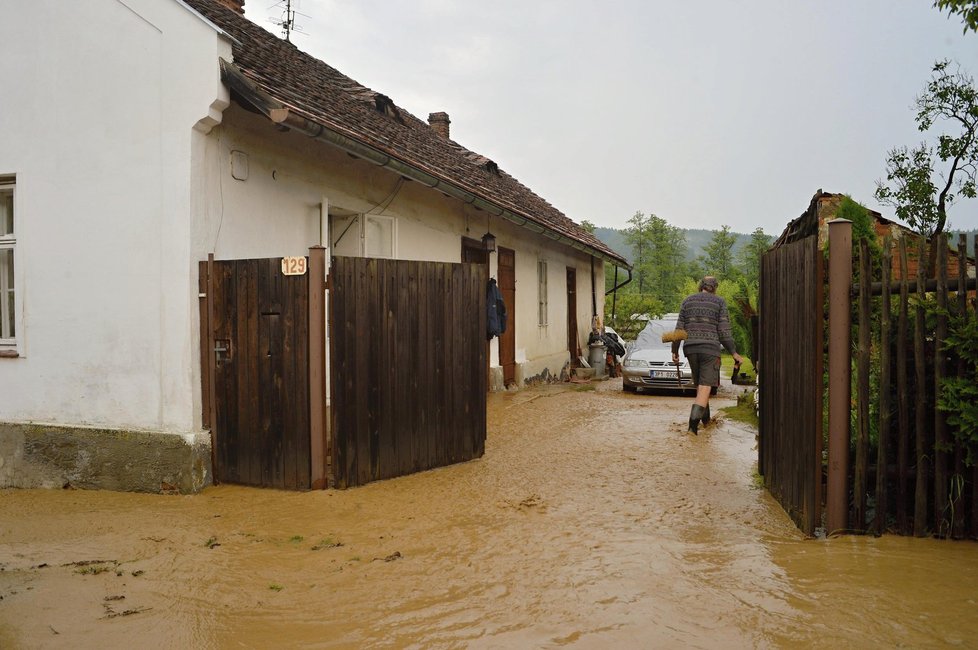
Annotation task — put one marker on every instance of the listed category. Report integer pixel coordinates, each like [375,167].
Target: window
[542,290]
[378,236]
[8,242]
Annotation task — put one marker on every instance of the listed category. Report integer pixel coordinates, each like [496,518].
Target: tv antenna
[287,20]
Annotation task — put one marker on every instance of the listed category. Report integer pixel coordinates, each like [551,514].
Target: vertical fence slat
[862,388]
[920,489]
[941,525]
[957,526]
[882,455]
[903,404]
[974,471]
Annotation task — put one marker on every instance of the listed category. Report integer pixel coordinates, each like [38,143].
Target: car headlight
[635,363]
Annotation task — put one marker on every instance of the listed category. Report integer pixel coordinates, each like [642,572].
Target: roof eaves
[261,96]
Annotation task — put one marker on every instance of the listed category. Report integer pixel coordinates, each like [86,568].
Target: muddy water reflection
[592,521]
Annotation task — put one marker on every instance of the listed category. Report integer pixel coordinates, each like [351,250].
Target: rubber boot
[706,415]
[694,418]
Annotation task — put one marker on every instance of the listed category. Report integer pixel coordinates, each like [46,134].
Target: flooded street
[592,521]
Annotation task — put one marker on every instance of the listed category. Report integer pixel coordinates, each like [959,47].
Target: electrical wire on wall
[384,204]
[220,184]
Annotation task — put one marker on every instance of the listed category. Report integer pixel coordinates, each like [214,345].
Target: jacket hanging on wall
[495,310]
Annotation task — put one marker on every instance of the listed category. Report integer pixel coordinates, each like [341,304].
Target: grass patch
[276,587]
[743,412]
[727,363]
[211,542]
[295,539]
[757,481]
[580,388]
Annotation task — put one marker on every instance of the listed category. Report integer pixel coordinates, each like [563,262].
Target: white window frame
[542,297]
[8,318]
[367,218]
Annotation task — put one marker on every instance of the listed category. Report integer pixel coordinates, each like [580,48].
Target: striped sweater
[704,317]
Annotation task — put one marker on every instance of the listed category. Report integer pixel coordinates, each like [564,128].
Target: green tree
[718,254]
[966,9]
[750,257]
[659,255]
[630,311]
[911,187]
[588,226]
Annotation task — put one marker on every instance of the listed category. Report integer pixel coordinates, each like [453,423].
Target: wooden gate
[407,366]
[790,374]
[255,357]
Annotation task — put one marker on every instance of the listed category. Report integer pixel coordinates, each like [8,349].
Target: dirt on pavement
[593,521]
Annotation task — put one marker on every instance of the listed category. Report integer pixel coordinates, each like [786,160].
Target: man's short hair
[709,283]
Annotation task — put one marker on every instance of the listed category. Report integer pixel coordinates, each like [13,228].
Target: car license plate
[662,374]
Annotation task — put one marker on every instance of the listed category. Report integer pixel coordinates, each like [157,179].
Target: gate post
[840,370]
[317,366]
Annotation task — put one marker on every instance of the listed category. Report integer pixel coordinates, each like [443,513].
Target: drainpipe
[594,289]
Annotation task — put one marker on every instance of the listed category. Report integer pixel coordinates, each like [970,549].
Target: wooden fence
[790,336]
[909,475]
[408,369]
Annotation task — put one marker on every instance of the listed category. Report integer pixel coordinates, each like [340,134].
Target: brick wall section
[828,205]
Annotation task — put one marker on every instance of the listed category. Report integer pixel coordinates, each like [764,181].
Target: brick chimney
[237,5]
[439,123]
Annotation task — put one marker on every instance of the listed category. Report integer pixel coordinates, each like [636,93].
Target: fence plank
[859,485]
[920,490]
[903,404]
[882,455]
[957,526]
[941,443]
[974,471]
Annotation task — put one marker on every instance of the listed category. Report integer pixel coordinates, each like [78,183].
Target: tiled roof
[327,97]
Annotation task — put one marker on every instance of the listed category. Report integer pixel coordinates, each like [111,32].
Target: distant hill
[696,241]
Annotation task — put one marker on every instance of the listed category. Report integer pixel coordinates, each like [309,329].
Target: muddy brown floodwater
[592,521]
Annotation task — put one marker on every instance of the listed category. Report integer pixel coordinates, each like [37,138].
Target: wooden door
[258,342]
[573,345]
[507,340]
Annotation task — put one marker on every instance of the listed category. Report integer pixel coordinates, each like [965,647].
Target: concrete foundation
[48,456]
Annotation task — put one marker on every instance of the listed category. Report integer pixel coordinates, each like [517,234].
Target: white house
[139,136]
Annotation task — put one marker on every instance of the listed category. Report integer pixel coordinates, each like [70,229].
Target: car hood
[661,355]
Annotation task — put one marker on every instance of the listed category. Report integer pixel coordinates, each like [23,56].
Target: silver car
[648,363]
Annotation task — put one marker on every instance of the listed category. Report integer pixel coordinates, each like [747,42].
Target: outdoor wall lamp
[489,242]
[488,239]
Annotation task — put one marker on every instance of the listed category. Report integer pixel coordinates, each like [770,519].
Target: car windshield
[650,338]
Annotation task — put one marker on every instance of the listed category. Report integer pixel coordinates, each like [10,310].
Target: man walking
[706,322]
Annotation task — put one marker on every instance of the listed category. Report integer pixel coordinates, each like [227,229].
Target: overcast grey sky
[706,113]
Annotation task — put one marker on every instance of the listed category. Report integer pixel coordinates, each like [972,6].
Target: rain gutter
[283,116]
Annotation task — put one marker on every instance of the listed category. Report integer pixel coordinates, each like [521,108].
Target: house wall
[115,129]
[277,211]
[95,126]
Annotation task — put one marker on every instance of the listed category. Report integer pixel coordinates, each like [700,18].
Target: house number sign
[293,266]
